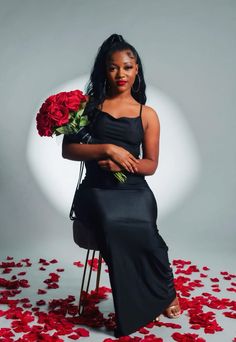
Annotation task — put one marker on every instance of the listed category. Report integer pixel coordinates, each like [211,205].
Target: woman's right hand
[122,157]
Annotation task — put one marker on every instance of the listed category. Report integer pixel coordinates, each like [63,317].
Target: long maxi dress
[123,217]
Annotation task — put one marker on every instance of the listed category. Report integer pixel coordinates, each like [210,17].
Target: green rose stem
[120,176]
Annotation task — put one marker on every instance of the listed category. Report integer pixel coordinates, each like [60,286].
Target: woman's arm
[148,164]
[82,146]
[80,152]
[104,152]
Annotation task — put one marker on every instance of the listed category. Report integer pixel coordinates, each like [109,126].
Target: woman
[123,215]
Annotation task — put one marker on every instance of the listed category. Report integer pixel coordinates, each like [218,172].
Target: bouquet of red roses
[62,113]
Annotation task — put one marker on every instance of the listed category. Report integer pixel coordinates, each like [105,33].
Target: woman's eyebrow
[123,63]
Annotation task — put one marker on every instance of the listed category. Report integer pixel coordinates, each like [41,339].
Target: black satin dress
[123,216]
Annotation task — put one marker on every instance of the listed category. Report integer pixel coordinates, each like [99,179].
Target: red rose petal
[214,279]
[41,291]
[73,336]
[230,314]
[143,331]
[53,286]
[42,268]
[203,275]
[40,302]
[78,264]
[82,332]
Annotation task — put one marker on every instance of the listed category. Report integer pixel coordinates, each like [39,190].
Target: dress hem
[118,332]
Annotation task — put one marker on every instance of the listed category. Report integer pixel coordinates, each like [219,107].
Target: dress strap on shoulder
[141,106]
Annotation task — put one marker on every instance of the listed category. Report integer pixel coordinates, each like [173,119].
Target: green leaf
[68,129]
[84,120]
[79,113]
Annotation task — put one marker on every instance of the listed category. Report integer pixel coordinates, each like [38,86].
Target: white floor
[70,281]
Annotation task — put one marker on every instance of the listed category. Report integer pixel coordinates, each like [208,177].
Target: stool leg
[99,271]
[89,277]
[90,271]
[82,285]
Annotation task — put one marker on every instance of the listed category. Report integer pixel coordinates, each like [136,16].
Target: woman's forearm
[83,146]
[146,167]
[82,152]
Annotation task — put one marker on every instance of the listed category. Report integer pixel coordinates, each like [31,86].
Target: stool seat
[84,236]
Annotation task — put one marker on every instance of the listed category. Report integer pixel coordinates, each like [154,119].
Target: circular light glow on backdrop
[175,177]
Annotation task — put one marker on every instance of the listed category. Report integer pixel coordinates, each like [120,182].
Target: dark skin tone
[122,66]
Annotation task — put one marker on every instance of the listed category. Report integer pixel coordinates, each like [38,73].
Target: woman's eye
[112,68]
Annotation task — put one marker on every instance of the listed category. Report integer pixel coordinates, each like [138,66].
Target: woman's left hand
[109,165]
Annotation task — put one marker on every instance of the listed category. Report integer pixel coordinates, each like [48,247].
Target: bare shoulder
[150,117]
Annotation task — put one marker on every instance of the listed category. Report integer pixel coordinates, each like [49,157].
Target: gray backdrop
[188,50]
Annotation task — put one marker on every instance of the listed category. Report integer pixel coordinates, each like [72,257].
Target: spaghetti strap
[141,106]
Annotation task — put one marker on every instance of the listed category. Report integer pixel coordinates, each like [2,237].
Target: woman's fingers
[130,166]
[125,159]
[133,162]
[130,163]
[134,159]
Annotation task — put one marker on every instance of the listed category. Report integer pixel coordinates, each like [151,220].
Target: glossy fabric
[123,217]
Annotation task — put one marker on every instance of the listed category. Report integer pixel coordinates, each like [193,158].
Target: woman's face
[121,66]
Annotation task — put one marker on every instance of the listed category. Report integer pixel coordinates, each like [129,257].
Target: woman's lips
[121,82]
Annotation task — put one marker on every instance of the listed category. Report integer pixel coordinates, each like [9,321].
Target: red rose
[59,114]
[71,99]
[44,124]
[74,98]
[58,110]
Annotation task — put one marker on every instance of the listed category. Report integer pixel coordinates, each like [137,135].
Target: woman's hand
[122,157]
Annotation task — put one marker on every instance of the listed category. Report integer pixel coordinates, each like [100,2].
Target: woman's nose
[120,74]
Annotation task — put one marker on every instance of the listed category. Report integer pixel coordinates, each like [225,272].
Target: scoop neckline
[121,117]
